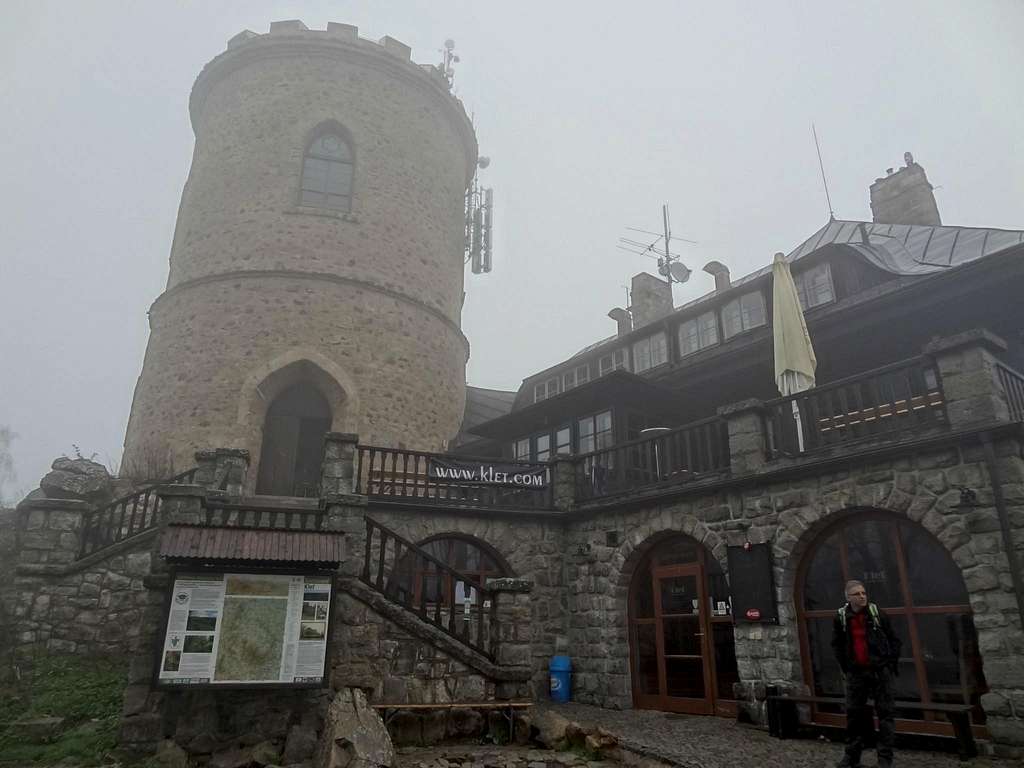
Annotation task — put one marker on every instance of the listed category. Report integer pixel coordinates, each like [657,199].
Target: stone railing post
[337,476]
[747,449]
[513,647]
[222,469]
[563,480]
[966,363]
[343,510]
[49,531]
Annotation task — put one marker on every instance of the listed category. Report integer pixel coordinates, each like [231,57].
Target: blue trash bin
[560,686]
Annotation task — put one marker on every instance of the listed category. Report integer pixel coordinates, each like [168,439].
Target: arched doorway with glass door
[682,652]
[910,575]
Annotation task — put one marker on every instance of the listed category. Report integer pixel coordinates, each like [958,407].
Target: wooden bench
[783,721]
[507,708]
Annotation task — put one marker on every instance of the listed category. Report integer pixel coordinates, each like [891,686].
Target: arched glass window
[327,173]
[427,584]
[909,574]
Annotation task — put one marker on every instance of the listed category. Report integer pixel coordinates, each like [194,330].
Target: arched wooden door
[293,443]
[910,576]
[682,653]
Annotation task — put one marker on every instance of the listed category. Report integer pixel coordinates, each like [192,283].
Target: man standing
[868,652]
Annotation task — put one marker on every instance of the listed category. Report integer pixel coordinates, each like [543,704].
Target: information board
[246,628]
[752,584]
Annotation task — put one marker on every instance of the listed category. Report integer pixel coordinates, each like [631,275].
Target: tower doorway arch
[909,574]
[293,439]
[682,652]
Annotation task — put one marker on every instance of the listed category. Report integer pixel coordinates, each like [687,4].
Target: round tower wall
[368,300]
[397,380]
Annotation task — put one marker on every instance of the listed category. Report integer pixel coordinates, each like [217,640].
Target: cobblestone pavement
[714,742]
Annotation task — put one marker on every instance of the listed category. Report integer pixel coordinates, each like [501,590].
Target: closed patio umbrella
[795,362]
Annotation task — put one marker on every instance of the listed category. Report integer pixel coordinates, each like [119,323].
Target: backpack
[872,612]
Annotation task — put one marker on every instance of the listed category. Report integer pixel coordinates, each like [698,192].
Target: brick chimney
[904,196]
[650,298]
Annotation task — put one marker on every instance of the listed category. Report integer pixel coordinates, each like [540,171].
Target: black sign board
[752,584]
[488,473]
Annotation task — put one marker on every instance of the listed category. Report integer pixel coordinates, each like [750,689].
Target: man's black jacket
[883,644]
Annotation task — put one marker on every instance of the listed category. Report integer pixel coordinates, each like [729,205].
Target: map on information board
[246,628]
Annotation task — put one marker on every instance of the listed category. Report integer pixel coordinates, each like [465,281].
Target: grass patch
[85,692]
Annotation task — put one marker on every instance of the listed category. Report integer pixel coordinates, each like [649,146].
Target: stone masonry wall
[90,607]
[920,487]
[389,370]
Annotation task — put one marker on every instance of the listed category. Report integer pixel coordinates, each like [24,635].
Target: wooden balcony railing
[903,396]
[429,588]
[249,513]
[1012,383]
[125,517]
[399,474]
[676,456]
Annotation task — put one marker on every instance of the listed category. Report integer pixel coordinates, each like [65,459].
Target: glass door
[671,647]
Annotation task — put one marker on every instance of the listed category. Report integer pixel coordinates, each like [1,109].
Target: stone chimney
[904,196]
[721,274]
[651,299]
[622,320]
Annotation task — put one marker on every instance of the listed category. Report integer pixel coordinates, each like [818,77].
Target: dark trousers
[863,683]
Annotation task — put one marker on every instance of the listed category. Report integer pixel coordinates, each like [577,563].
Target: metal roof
[910,249]
[208,543]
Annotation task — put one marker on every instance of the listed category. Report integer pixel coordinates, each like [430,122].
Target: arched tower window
[293,438]
[911,576]
[327,172]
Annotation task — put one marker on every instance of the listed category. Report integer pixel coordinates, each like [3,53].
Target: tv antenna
[670,265]
[824,181]
[448,59]
[479,223]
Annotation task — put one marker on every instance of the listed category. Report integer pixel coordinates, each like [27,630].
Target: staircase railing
[1012,383]
[429,588]
[125,517]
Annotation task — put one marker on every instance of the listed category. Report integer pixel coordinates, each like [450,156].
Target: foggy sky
[594,115]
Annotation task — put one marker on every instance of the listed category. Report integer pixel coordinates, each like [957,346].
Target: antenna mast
[479,223]
[670,265]
[824,181]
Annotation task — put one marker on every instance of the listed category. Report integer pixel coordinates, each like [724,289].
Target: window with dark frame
[650,352]
[542,445]
[814,286]
[595,432]
[743,313]
[612,362]
[698,333]
[563,441]
[327,174]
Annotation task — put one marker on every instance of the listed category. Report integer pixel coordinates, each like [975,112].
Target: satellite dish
[680,272]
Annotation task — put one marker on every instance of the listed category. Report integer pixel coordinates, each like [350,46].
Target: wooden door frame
[929,724]
[712,704]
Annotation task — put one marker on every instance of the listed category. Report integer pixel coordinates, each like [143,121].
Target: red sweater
[859,635]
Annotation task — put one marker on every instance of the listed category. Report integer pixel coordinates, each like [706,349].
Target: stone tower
[316,272]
